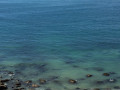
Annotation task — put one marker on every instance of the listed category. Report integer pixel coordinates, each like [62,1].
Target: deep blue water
[54,24]
[43,29]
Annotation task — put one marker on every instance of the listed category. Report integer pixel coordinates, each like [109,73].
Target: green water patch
[57,70]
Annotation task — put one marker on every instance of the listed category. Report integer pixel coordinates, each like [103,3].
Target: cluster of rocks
[9,82]
[12,84]
[3,86]
[99,82]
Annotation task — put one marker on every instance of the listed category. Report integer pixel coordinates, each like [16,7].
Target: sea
[61,40]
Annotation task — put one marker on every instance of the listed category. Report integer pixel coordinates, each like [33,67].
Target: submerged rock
[85,89]
[48,89]
[69,62]
[72,81]
[75,66]
[19,89]
[89,75]
[57,82]
[96,89]
[106,74]
[51,78]
[98,69]
[116,87]
[5,80]
[35,85]
[3,86]
[77,88]
[28,82]
[81,79]
[11,74]
[99,82]
[42,81]
[112,73]
[0,77]
[18,84]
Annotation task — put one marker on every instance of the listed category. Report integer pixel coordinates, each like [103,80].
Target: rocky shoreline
[8,81]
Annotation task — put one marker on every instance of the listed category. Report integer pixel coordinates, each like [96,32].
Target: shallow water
[64,39]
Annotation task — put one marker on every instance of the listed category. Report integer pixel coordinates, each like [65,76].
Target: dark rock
[19,88]
[48,89]
[18,84]
[116,87]
[11,74]
[81,79]
[0,76]
[42,81]
[35,86]
[77,88]
[57,82]
[53,78]
[28,82]
[98,69]
[3,87]
[69,62]
[96,89]
[112,73]
[106,74]
[89,75]
[99,82]
[5,80]
[118,77]
[72,81]
[75,66]
[43,65]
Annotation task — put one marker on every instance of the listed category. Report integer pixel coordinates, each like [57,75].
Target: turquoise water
[67,39]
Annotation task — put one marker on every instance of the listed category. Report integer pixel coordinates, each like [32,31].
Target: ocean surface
[67,39]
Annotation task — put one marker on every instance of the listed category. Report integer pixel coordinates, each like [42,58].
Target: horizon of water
[70,38]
